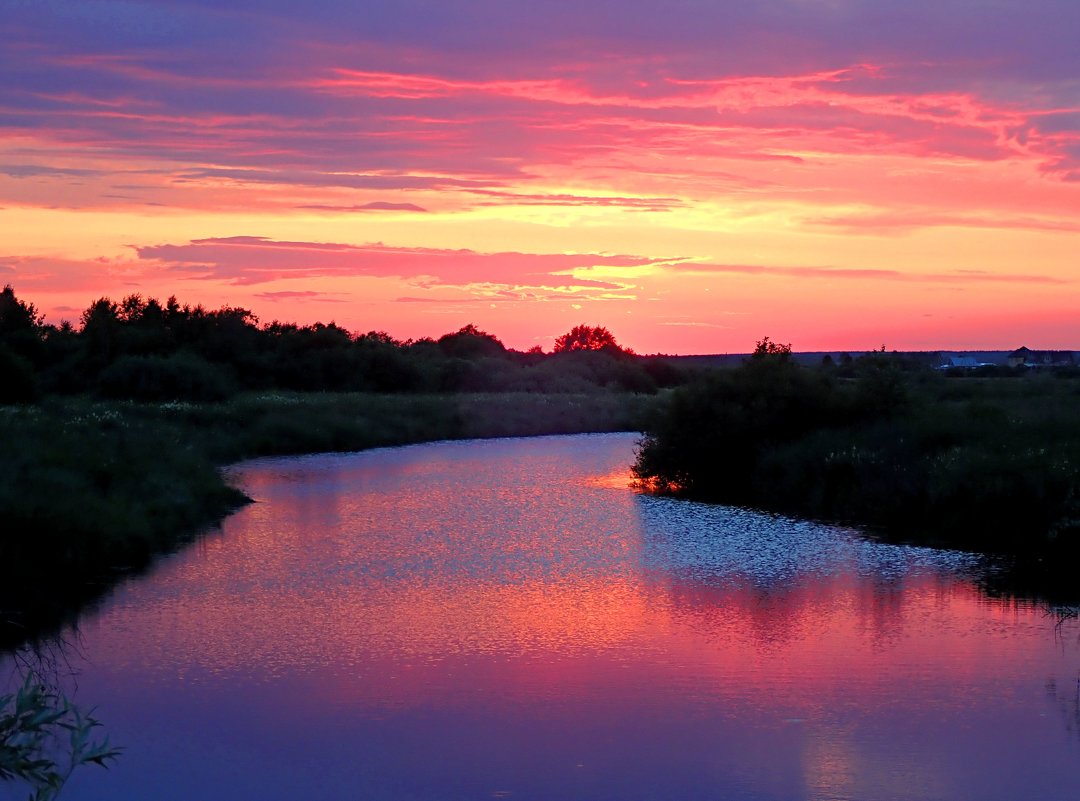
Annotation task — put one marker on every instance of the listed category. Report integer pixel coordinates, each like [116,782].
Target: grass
[90,490]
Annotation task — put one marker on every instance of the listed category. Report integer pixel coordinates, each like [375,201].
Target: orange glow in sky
[834,175]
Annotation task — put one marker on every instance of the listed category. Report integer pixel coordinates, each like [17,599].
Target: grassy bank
[985,464]
[92,490]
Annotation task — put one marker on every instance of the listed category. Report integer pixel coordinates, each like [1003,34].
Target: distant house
[1020,357]
[1026,357]
[959,363]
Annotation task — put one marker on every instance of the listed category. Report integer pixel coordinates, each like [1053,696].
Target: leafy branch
[44,738]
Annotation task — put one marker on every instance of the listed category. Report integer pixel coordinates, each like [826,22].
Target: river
[508,619]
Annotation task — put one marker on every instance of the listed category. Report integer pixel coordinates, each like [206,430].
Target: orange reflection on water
[800,649]
[522,585]
[621,479]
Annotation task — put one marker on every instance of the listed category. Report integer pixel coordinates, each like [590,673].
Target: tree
[21,327]
[100,328]
[469,342]
[716,436]
[767,349]
[16,316]
[587,337]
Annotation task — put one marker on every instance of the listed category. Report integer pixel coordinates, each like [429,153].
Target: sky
[693,174]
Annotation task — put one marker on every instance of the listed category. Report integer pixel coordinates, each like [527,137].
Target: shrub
[182,376]
[18,383]
[989,464]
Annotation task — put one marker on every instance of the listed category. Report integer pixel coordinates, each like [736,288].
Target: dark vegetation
[112,432]
[141,349]
[984,463]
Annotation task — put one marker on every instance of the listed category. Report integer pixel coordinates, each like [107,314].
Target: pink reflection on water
[521,592]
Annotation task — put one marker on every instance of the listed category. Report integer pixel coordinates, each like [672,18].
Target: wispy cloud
[692,324]
[524,199]
[959,276]
[902,221]
[42,171]
[254,260]
[377,205]
[300,295]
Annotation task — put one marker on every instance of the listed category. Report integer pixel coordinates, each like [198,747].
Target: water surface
[507,619]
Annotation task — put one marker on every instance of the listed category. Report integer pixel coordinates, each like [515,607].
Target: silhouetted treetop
[142,348]
[378,338]
[469,342]
[587,337]
[16,315]
[766,348]
[21,327]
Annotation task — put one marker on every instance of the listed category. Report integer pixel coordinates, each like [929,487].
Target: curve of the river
[507,619]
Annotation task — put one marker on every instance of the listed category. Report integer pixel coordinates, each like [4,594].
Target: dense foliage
[587,337]
[143,349]
[986,463]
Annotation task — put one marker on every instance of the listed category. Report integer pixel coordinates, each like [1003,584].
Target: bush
[715,431]
[989,465]
[18,383]
[182,376]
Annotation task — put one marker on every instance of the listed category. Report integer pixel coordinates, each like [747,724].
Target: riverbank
[93,490]
[989,465]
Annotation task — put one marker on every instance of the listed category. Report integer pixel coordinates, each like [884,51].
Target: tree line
[144,349]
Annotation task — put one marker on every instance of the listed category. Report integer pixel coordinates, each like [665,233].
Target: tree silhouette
[21,326]
[141,348]
[469,342]
[16,316]
[767,349]
[100,328]
[587,337]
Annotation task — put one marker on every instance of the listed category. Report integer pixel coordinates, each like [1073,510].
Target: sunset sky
[692,174]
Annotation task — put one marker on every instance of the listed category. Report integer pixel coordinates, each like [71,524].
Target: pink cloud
[378,205]
[903,221]
[850,273]
[31,274]
[492,131]
[253,260]
[524,199]
[814,101]
[382,179]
